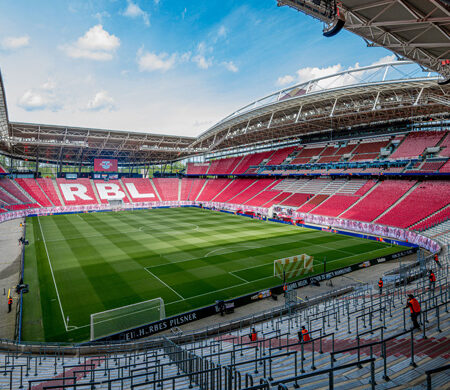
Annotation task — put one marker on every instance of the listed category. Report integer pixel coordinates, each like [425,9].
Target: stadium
[143,260]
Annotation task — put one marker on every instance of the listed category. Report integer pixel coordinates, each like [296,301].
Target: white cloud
[134,11]
[101,101]
[42,98]
[229,65]
[96,44]
[14,43]
[32,100]
[382,60]
[183,14]
[202,62]
[285,80]
[222,32]
[156,2]
[309,73]
[150,62]
[100,16]
[200,58]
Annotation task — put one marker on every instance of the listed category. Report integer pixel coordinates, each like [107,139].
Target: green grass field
[80,264]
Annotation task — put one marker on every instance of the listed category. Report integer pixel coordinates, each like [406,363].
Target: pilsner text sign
[105,165]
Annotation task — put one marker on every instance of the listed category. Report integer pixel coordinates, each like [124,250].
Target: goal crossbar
[122,318]
[291,267]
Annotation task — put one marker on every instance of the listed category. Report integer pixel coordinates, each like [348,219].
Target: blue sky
[160,66]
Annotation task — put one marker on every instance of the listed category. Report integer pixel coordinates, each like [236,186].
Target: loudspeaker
[334,28]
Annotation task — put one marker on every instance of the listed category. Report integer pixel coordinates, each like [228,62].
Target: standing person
[414,307]
[380,286]
[436,260]
[10,301]
[432,278]
[253,335]
[304,335]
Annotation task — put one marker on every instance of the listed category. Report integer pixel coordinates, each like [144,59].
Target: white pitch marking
[233,246]
[151,273]
[53,276]
[232,273]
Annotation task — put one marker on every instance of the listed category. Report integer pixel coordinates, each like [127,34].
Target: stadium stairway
[379,324]
[58,193]
[94,188]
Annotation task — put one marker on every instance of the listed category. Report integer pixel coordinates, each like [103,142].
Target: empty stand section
[140,190]
[253,189]
[312,203]
[329,154]
[431,166]
[377,201]
[278,199]
[366,187]
[305,155]
[49,189]
[197,168]
[33,189]
[416,142]
[446,167]
[6,198]
[335,205]
[186,186]
[212,188]
[280,155]
[425,199]
[197,185]
[76,192]
[11,188]
[251,159]
[235,188]
[110,190]
[445,146]
[296,200]
[439,217]
[167,188]
[262,198]
[224,166]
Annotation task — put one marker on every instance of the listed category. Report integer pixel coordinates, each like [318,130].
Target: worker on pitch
[303,335]
[10,301]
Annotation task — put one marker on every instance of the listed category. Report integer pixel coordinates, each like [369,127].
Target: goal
[112,321]
[291,267]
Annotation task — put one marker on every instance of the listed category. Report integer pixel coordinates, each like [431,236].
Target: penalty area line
[165,284]
[53,275]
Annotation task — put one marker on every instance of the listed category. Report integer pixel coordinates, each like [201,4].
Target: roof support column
[418,97]
[375,102]
[298,114]
[37,164]
[334,106]
[270,120]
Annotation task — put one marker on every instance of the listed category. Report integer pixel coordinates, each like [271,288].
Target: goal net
[293,266]
[116,204]
[112,321]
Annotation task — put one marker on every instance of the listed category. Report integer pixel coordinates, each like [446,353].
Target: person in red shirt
[380,286]
[436,260]
[414,307]
[304,335]
[432,278]
[10,301]
[253,335]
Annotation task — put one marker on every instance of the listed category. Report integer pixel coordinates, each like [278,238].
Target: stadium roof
[378,94]
[418,30]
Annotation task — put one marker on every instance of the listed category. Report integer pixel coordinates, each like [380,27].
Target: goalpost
[291,267]
[127,317]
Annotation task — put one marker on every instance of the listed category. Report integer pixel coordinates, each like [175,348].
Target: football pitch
[80,264]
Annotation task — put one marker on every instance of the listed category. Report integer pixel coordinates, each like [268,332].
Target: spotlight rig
[326,11]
